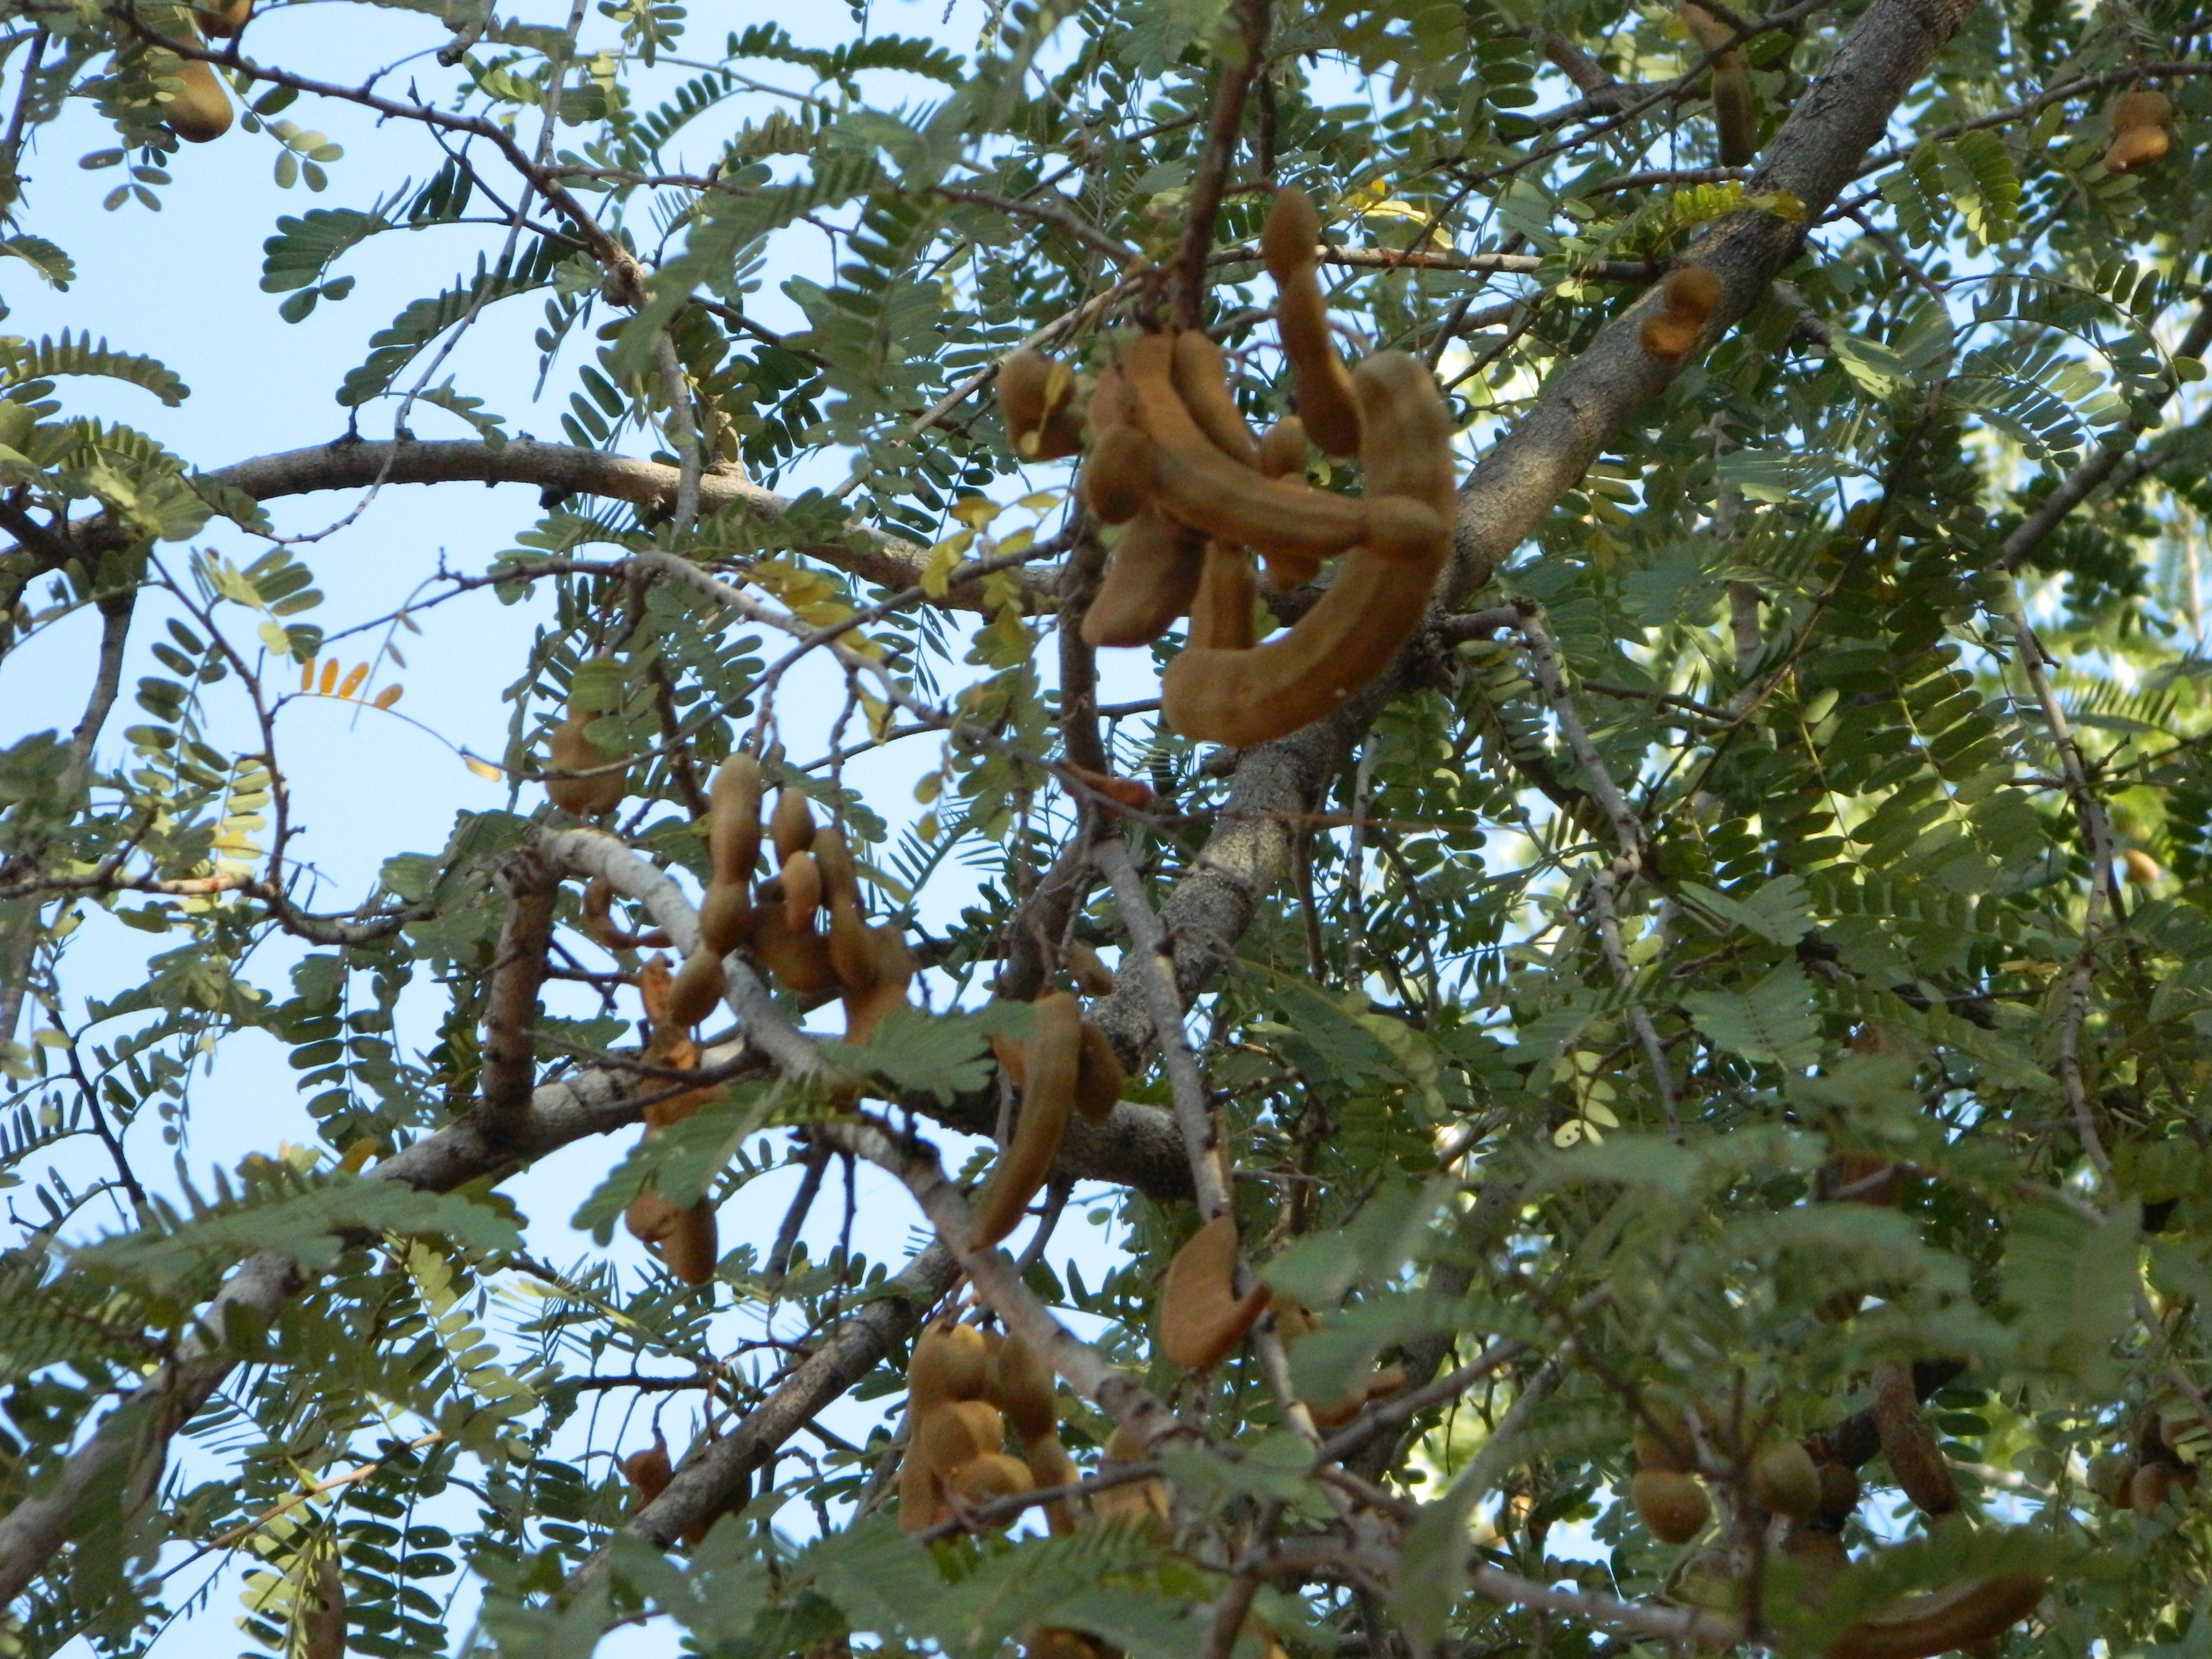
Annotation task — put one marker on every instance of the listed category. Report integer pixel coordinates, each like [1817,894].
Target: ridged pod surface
[1201,1316]
[1290,242]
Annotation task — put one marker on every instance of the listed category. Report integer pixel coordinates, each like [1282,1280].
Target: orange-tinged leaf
[389,695]
[308,675]
[481,768]
[354,676]
[330,676]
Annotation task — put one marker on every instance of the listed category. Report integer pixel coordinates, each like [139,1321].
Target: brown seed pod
[1013,1060]
[1038,403]
[726,917]
[954,1432]
[1152,573]
[1387,1381]
[1099,1078]
[1221,616]
[324,1619]
[2110,1476]
[1910,1443]
[1663,1440]
[1047,1096]
[1855,1178]
[2142,869]
[1132,792]
[1688,298]
[599,921]
[1200,372]
[223,19]
[692,1247]
[894,971]
[1283,448]
[802,889]
[1354,631]
[649,1473]
[1785,1481]
[791,827]
[1290,242]
[851,947]
[921,1506]
[696,989]
[1092,977]
[1734,116]
[1961,1616]
[1019,1383]
[1196,483]
[1672,1507]
[1117,474]
[2141,132]
[1201,1316]
[1052,1466]
[198,111]
[1050,1642]
[1839,1494]
[733,836]
[570,751]
[2153,1486]
[993,1475]
[1137,1500]
[800,960]
[650,1217]
[950,1362]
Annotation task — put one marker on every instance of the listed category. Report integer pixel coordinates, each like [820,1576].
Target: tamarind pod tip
[1152,573]
[1283,448]
[692,1248]
[1290,236]
[802,888]
[949,1361]
[1099,1078]
[1200,373]
[1201,1316]
[726,917]
[1116,480]
[696,989]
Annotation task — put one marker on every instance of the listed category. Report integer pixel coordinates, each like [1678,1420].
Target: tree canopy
[1636,985]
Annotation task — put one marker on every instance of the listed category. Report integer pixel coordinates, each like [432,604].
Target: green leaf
[1773,1020]
[2073,1282]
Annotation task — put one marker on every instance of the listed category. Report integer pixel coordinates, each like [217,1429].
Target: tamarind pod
[1020,1383]
[835,857]
[2146,106]
[692,1248]
[1196,483]
[599,921]
[199,110]
[1150,574]
[802,889]
[1202,1316]
[2153,1484]
[791,826]
[1110,404]
[1055,1055]
[1354,631]
[852,949]
[726,917]
[1117,474]
[1910,1443]
[1013,1060]
[994,1474]
[894,968]
[697,990]
[1099,1078]
[920,1504]
[1052,1466]
[1132,792]
[733,835]
[1294,1320]
[1200,373]
[653,980]
[1687,297]
[324,1618]
[954,1432]
[1735,118]
[1922,1626]
[1283,448]
[1672,1507]
[800,958]
[2111,1475]
[1855,1178]
[649,1473]
[1038,402]
[1092,976]
[649,1218]
[570,751]
[1786,1482]
[1290,243]
[1386,1382]
[949,1361]
[1221,614]
[223,19]
[1137,1501]
[2132,149]
[1839,1494]
[1664,1442]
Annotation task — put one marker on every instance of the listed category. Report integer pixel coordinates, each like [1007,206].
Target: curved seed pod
[649,1473]
[851,947]
[1221,616]
[1099,1078]
[1283,448]
[650,1217]
[800,960]
[1195,482]
[199,110]
[2155,1483]
[1037,403]
[1202,1316]
[802,889]
[1054,1057]
[1092,977]
[1200,372]
[696,989]
[791,826]
[954,1432]
[894,969]
[1140,1499]
[1052,1466]
[1922,1626]
[570,751]
[1131,793]
[1915,1458]
[1242,698]
[835,857]
[1672,1507]
[692,1247]
[950,1362]
[1786,1482]
[726,917]
[2140,121]
[223,18]
[1152,575]
[1019,1383]
[1686,300]
[1013,1060]
[994,1474]
[1117,474]
[1290,242]
[1387,1381]
[733,837]
[324,1619]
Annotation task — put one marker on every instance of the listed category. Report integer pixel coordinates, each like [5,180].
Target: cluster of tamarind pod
[2143,130]
[2146,1479]
[1169,459]
[966,1389]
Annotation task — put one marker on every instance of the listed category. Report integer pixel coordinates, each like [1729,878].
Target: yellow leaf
[354,676]
[389,695]
[944,559]
[975,511]
[1018,542]
[1041,501]
[308,675]
[330,676]
[358,1154]
[482,768]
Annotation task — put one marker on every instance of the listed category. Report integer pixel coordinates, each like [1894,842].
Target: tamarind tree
[1639,1006]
